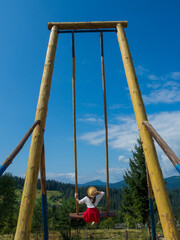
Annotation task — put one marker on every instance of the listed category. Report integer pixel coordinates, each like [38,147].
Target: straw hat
[91,191]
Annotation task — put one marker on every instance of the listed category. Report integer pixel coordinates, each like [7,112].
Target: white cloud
[94,138]
[171,76]
[91,120]
[117,106]
[144,72]
[122,158]
[70,177]
[64,177]
[153,77]
[167,124]
[164,92]
[141,71]
[174,75]
[162,96]
[117,134]
[115,174]
[154,86]
[173,84]
[123,135]
[165,88]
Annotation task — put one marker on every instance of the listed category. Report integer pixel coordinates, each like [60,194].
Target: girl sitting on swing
[91,215]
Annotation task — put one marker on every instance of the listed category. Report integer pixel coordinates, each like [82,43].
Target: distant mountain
[102,184]
[93,183]
[171,183]
[117,184]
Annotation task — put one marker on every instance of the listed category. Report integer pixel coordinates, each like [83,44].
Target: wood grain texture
[154,170]
[85,25]
[29,192]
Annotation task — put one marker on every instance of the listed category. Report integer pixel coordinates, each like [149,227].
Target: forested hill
[171,183]
[66,188]
[68,191]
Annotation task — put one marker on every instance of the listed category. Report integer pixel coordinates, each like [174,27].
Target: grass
[100,234]
[114,234]
[53,197]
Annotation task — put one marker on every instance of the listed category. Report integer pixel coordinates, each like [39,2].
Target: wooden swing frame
[29,192]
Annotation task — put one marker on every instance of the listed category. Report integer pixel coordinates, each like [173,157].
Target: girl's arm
[98,197]
[80,201]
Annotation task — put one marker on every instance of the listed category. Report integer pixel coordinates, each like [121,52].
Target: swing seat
[102,215]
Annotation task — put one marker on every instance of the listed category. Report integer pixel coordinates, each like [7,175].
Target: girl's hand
[97,192]
[76,197]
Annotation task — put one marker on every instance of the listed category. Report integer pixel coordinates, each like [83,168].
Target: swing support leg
[44,195]
[155,173]
[151,207]
[29,192]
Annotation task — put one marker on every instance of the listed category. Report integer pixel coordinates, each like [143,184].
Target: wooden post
[105,121]
[44,195]
[168,151]
[126,235]
[151,207]
[74,119]
[155,173]
[29,192]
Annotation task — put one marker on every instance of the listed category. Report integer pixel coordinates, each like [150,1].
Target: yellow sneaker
[92,223]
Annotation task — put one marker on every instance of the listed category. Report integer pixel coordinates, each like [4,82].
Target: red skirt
[91,215]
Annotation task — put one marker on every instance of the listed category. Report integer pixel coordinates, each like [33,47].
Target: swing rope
[74,119]
[105,120]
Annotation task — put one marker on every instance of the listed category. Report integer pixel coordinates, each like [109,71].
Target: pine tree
[8,204]
[37,224]
[135,192]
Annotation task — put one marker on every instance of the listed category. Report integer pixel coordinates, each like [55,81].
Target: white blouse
[88,201]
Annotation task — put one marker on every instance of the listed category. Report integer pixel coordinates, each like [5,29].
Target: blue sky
[153,36]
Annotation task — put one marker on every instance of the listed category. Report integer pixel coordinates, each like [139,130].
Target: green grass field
[90,232]
[53,197]
[100,234]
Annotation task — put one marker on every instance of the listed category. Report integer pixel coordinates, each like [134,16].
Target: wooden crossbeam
[85,25]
